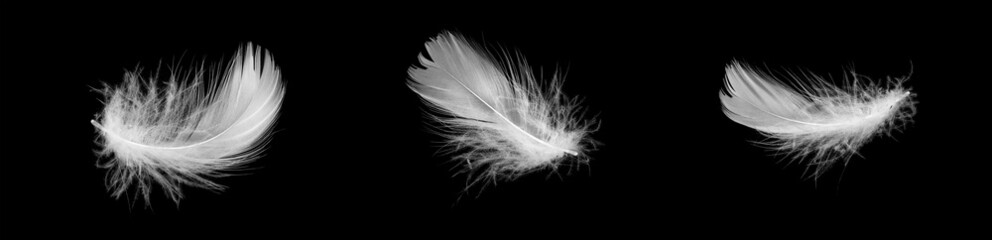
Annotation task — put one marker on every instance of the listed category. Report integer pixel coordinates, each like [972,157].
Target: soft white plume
[814,119]
[198,126]
[497,118]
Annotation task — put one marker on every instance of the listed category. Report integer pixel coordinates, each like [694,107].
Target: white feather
[191,130]
[814,119]
[497,117]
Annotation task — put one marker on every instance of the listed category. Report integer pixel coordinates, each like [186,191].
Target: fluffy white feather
[814,119]
[199,125]
[498,118]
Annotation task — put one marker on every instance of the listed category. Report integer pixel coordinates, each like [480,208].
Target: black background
[352,145]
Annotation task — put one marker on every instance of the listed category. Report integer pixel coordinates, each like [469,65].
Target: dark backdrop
[351,144]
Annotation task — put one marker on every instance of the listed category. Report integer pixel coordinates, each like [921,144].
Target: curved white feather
[189,131]
[501,120]
[814,118]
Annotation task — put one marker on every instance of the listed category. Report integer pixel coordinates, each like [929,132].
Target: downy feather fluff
[814,119]
[497,118]
[198,126]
